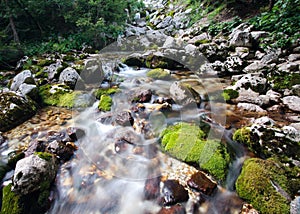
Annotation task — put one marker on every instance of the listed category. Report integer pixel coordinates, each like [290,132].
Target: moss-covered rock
[263,183]
[9,56]
[105,91]
[229,94]
[284,80]
[10,201]
[44,155]
[105,103]
[187,142]
[14,110]
[158,73]
[3,169]
[62,96]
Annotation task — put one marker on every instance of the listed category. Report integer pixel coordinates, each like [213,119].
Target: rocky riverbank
[186,95]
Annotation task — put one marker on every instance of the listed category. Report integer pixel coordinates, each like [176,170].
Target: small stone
[143,96]
[202,183]
[174,192]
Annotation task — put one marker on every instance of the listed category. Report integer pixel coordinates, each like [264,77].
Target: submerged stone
[159,73]
[174,192]
[202,183]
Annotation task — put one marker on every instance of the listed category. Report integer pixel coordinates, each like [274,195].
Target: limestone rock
[23,77]
[69,76]
[292,102]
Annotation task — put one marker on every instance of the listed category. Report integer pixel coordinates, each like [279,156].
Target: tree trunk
[13,26]
[14,30]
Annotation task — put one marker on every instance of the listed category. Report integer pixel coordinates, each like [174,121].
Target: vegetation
[42,26]
[105,103]
[10,202]
[105,91]
[229,94]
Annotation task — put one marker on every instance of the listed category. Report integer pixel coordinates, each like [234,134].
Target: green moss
[44,155]
[202,41]
[187,142]
[59,95]
[242,135]
[158,73]
[229,94]
[10,201]
[45,62]
[44,193]
[105,103]
[41,74]
[105,91]
[285,80]
[255,186]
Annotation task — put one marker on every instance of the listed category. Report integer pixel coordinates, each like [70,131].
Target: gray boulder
[29,90]
[256,82]
[32,171]
[292,102]
[241,39]
[182,95]
[23,77]
[256,67]
[69,76]
[249,107]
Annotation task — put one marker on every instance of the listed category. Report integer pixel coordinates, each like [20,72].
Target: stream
[108,172]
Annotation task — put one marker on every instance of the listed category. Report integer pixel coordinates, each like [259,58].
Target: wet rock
[69,76]
[19,79]
[14,110]
[202,183]
[63,151]
[32,171]
[174,192]
[152,188]
[35,146]
[176,209]
[124,118]
[264,178]
[75,133]
[292,102]
[142,96]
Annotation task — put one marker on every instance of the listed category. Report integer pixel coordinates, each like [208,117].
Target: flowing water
[107,174]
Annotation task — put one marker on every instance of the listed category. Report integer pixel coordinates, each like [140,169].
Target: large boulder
[14,110]
[265,184]
[256,82]
[32,171]
[9,56]
[69,76]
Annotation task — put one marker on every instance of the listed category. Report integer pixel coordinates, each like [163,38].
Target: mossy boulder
[187,142]
[263,183]
[105,103]
[158,73]
[10,201]
[14,110]
[160,61]
[284,80]
[62,96]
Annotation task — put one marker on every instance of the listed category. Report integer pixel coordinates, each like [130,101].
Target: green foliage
[105,103]
[224,27]
[158,73]
[242,135]
[285,80]
[10,201]
[229,94]
[187,142]
[283,21]
[256,185]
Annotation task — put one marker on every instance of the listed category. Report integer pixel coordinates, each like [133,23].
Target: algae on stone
[187,142]
[263,183]
[229,94]
[10,201]
[158,73]
[105,91]
[105,103]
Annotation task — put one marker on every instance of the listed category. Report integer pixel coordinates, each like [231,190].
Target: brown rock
[202,183]
[174,192]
